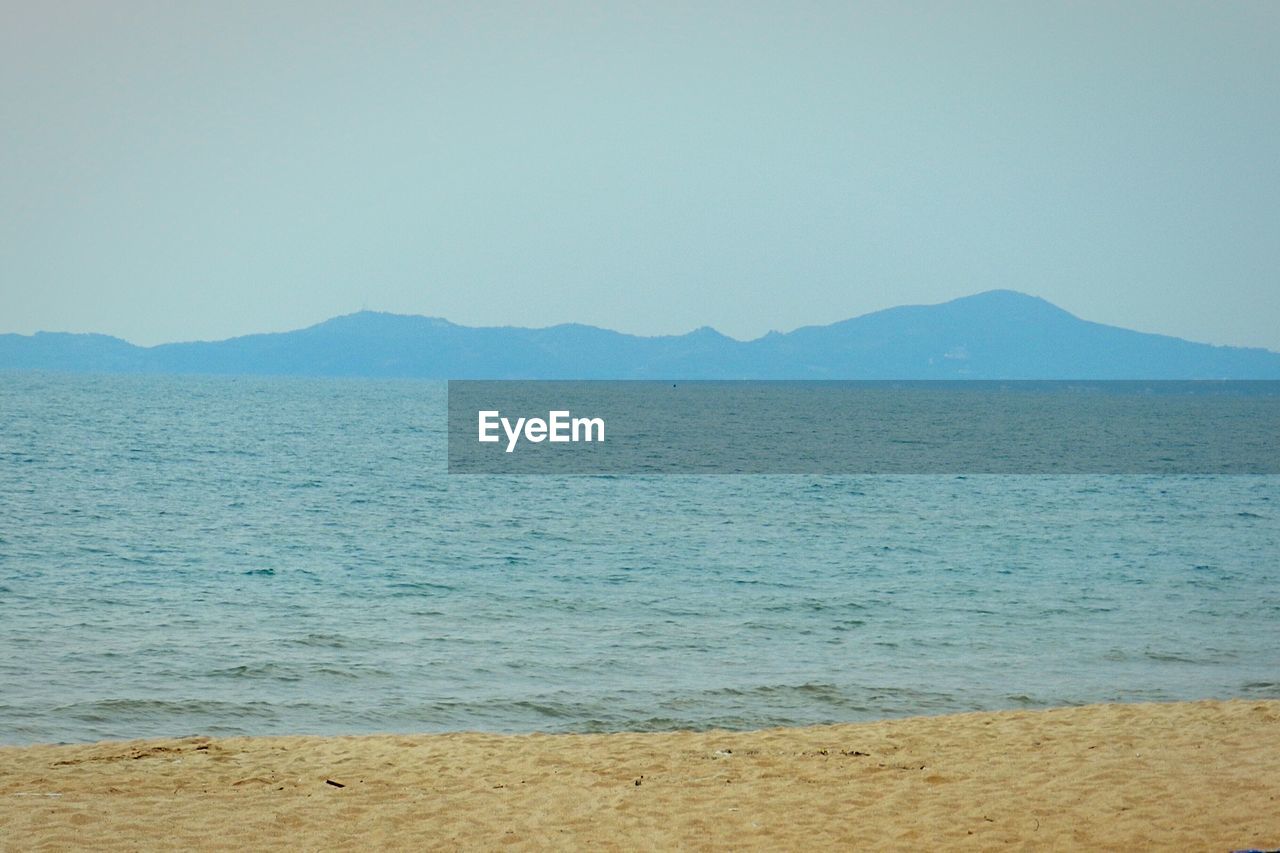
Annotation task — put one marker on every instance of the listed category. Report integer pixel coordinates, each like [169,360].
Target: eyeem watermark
[819,428]
[559,426]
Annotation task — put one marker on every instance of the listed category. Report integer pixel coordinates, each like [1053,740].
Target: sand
[1184,776]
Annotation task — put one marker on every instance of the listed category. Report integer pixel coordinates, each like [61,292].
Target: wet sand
[1181,776]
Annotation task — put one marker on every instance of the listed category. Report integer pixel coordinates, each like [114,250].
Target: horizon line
[1029,297]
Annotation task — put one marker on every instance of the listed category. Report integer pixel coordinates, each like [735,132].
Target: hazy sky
[171,171]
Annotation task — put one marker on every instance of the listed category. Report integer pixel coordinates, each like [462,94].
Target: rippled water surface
[263,556]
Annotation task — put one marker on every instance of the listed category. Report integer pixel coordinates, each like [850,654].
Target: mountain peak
[373,320]
[1007,300]
[997,334]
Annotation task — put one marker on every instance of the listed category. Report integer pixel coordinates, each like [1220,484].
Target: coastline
[1187,775]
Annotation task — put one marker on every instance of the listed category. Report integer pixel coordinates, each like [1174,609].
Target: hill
[1000,334]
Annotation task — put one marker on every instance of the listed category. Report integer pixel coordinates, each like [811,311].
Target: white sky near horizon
[203,170]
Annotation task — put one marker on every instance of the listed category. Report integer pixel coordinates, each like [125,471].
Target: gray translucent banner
[761,427]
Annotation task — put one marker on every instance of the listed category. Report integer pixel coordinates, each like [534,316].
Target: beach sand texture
[1181,776]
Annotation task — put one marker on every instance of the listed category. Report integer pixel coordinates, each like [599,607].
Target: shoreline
[1198,775]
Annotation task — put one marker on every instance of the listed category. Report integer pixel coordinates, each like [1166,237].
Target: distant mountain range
[1000,334]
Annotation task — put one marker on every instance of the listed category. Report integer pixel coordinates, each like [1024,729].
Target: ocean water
[262,556]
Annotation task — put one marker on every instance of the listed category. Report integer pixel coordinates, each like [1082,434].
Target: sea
[256,556]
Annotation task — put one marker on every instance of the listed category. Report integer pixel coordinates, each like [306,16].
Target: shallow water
[259,556]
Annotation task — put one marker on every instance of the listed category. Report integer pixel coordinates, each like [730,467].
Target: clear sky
[174,171]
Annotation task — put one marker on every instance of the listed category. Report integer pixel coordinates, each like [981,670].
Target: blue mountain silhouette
[1000,334]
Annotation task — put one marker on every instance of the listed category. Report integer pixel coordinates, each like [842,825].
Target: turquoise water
[256,556]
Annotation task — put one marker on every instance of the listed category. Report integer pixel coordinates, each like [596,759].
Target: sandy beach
[1186,776]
